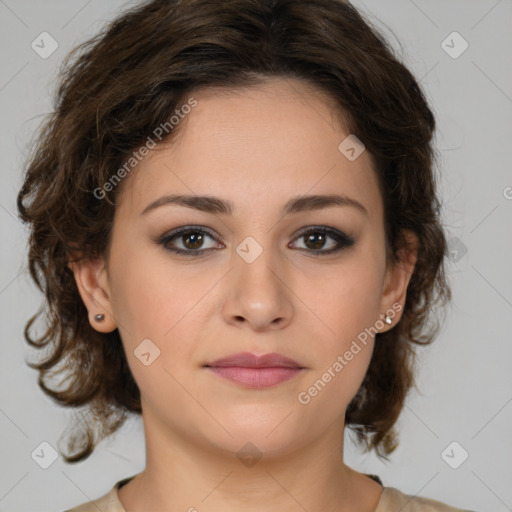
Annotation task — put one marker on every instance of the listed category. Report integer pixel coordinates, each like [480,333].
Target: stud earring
[99,317]
[388,320]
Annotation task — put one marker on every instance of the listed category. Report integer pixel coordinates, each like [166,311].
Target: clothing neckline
[123,482]
[379,507]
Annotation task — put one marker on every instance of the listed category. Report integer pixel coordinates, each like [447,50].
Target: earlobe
[398,277]
[91,278]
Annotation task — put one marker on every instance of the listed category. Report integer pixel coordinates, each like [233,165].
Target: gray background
[464,377]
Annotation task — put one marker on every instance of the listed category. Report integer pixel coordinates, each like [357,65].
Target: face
[303,282]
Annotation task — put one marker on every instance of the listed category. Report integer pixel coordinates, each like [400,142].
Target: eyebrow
[216,205]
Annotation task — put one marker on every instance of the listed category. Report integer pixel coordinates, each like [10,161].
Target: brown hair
[118,86]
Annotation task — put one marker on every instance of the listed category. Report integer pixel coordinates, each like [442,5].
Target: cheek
[151,301]
[344,342]
[150,295]
[348,309]
[158,301]
[349,301]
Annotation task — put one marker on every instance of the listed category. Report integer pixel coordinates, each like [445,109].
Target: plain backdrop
[463,409]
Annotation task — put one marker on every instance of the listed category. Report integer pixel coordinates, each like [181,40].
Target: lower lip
[256,378]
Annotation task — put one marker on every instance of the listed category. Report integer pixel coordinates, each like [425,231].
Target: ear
[91,278]
[397,279]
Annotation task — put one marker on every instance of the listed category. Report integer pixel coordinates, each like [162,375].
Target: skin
[256,147]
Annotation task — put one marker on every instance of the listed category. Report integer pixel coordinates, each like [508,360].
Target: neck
[181,474]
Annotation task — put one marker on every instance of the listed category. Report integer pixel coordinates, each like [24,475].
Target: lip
[252,371]
[249,360]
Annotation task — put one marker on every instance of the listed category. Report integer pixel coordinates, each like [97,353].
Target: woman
[235,224]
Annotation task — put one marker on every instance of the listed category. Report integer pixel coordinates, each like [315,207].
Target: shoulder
[392,499]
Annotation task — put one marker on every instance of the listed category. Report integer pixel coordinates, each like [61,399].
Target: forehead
[255,146]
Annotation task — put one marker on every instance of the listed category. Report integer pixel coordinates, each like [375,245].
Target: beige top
[391,500]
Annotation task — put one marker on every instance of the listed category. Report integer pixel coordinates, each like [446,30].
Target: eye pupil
[318,240]
[197,240]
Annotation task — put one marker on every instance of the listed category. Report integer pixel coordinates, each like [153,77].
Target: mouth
[256,372]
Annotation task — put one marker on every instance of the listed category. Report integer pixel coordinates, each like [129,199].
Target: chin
[271,437]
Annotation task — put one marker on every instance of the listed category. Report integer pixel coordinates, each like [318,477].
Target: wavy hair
[116,87]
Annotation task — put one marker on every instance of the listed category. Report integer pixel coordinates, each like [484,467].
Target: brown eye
[188,240]
[317,240]
[192,240]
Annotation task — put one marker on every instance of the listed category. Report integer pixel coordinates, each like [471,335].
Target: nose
[259,293]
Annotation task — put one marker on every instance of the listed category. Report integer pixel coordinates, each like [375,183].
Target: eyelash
[344,241]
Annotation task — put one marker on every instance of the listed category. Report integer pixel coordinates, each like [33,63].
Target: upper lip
[249,360]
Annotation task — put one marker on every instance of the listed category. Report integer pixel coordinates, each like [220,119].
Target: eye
[319,240]
[190,238]
[316,239]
